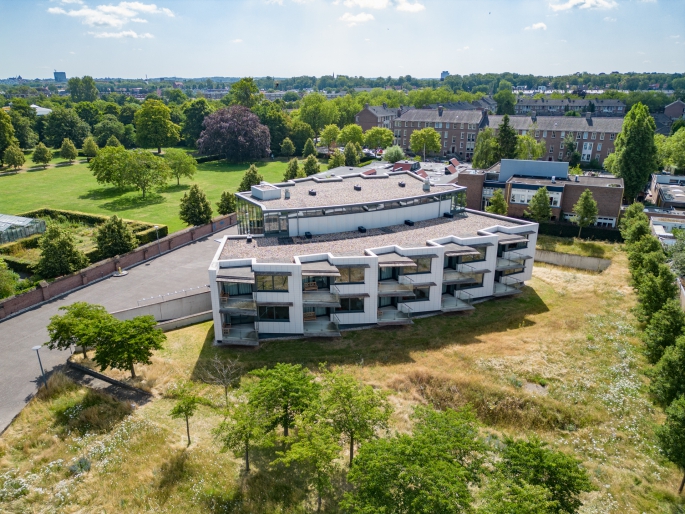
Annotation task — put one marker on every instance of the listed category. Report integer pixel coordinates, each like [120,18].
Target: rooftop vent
[554,179]
[248,238]
[448,215]
[576,178]
[409,223]
[287,194]
[308,235]
[357,187]
[312,192]
[362,229]
[427,184]
[402,184]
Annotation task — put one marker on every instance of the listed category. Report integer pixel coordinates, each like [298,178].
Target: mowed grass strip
[73,187]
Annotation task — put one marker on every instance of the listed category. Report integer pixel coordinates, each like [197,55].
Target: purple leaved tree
[235,133]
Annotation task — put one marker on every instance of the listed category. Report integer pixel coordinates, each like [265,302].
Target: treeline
[663,319]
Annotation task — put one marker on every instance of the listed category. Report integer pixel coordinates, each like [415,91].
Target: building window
[276,313]
[551,150]
[350,276]
[438,125]
[544,133]
[446,135]
[357,119]
[512,271]
[599,147]
[461,145]
[405,132]
[611,136]
[561,155]
[272,283]
[421,294]
[601,136]
[351,305]
[562,135]
[561,146]
[462,126]
[462,135]
[482,252]
[447,125]
[537,133]
[423,265]
[454,138]
[406,123]
[579,134]
[594,135]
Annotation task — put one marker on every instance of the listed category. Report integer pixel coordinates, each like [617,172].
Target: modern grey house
[317,256]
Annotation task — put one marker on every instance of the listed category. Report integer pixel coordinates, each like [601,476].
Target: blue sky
[353,37]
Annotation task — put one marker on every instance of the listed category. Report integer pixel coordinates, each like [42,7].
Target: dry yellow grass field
[562,360]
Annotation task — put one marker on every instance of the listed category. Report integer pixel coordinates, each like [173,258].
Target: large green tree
[309,149]
[336,160]
[42,155]
[127,343]
[6,133]
[356,411]
[539,209]
[241,430]
[58,253]
[245,92]
[317,111]
[114,237]
[282,392]
[351,134]
[68,151]
[667,325]
[529,148]
[668,376]
[90,148]
[505,98]
[299,133]
[108,127]
[636,152]
[506,139]
[426,140]
[292,170]
[195,113]
[498,204]
[671,436]
[195,208]
[486,152]
[63,124]
[654,291]
[13,156]
[378,137]
[81,325]
[181,163]
[329,136]
[146,171]
[275,119]
[287,147]
[23,130]
[154,127]
[351,155]
[111,166]
[82,89]
[89,113]
[585,211]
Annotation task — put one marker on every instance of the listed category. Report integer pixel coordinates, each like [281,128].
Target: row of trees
[443,465]
[664,328]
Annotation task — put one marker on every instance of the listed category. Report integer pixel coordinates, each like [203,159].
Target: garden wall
[569,230]
[572,261]
[170,309]
[100,270]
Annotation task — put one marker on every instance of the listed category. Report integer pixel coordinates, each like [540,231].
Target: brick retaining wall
[62,285]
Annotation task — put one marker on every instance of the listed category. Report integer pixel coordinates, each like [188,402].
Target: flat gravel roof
[274,249]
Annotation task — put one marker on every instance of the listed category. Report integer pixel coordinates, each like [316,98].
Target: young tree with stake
[539,209]
[68,151]
[181,164]
[185,408]
[241,430]
[425,140]
[585,211]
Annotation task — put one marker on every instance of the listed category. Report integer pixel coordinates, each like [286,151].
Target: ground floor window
[276,313]
[238,320]
[351,305]
[421,294]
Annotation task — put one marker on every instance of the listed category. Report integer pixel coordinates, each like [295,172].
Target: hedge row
[570,230]
[26,243]
[19,265]
[208,158]
[144,232]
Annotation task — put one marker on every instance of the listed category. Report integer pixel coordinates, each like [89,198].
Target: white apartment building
[317,256]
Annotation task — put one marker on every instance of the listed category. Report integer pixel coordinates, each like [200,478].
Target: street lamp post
[159,250]
[42,371]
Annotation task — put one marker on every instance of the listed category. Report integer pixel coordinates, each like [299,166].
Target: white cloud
[122,34]
[536,26]
[675,37]
[367,4]
[563,41]
[584,4]
[609,19]
[278,2]
[72,53]
[115,16]
[404,5]
[236,40]
[72,1]
[353,19]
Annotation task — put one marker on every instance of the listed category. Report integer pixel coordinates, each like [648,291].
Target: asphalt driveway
[179,269]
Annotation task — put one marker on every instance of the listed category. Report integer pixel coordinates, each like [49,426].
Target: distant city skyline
[370,38]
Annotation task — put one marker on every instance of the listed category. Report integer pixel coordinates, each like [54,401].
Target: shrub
[227,203]
[59,255]
[68,150]
[114,237]
[195,208]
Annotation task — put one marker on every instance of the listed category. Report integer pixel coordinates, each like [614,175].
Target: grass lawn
[601,249]
[73,187]
[562,361]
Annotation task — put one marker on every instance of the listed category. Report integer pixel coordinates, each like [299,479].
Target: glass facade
[350,276]
[423,265]
[272,283]
[252,220]
[351,305]
[274,313]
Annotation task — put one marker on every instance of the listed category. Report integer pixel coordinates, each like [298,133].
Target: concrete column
[84,279]
[44,289]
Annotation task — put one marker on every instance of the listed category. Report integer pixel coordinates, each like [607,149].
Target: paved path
[19,371]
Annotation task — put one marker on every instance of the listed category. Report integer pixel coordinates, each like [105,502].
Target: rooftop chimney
[577,178]
[399,111]
[533,115]
[588,115]
[366,106]
[440,108]
[385,105]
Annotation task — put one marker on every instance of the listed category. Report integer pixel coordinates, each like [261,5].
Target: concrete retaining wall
[185,321]
[170,309]
[103,269]
[572,261]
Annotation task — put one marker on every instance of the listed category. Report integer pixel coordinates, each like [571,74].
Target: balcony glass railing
[237,334]
[393,315]
[394,288]
[244,304]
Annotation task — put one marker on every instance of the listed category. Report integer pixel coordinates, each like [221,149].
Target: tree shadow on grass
[224,166]
[104,193]
[386,345]
[265,489]
[175,188]
[95,412]
[171,474]
[592,249]
[133,202]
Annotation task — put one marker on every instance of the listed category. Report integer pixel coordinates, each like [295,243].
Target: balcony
[453,304]
[392,316]
[511,260]
[451,276]
[322,327]
[321,298]
[239,304]
[513,286]
[394,288]
[240,335]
